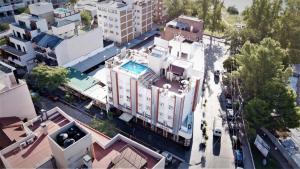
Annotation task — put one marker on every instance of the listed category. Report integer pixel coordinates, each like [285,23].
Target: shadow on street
[216,145]
[212,54]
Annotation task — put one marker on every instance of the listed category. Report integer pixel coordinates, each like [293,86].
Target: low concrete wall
[281,149]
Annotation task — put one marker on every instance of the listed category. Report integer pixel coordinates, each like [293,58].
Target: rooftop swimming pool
[134,67]
[62,10]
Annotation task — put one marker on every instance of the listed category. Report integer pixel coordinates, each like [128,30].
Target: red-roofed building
[59,141]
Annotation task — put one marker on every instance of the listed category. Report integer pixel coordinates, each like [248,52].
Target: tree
[86,18]
[281,100]
[215,18]
[46,78]
[190,8]
[261,63]
[262,19]
[257,113]
[289,31]
[73,2]
[231,64]
[232,10]
[204,10]
[4,27]
[174,8]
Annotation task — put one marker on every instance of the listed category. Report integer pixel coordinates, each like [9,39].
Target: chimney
[44,128]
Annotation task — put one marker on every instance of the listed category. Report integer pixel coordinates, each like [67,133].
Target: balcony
[17,39]
[12,51]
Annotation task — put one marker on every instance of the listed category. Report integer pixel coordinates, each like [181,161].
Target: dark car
[217,73]
[238,157]
[228,103]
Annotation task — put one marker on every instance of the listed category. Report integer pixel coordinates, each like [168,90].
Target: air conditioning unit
[87,161]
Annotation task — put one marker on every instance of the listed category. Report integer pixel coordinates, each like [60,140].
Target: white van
[217,131]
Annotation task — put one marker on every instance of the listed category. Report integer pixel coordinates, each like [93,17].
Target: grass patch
[258,158]
[231,20]
[2,41]
[106,127]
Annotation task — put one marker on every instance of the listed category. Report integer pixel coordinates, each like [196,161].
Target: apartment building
[160,15]
[66,46]
[8,7]
[191,28]
[19,51]
[56,140]
[122,21]
[15,99]
[160,89]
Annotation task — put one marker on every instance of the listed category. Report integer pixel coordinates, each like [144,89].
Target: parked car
[238,157]
[230,114]
[228,103]
[168,156]
[217,73]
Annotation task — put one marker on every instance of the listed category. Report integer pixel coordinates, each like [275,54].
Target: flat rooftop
[37,152]
[80,81]
[117,152]
[131,157]
[11,131]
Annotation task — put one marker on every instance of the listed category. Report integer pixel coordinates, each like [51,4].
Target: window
[148,98]
[121,96]
[162,104]
[120,87]
[148,108]
[170,117]
[170,107]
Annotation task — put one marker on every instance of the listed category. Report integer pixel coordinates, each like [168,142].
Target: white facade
[15,99]
[165,92]
[77,46]
[66,30]
[20,52]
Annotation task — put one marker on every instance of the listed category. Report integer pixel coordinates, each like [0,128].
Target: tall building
[56,140]
[191,28]
[15,99]
[160,89]
[160,15]
[122,21]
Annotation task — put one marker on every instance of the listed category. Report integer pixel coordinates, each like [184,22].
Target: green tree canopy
[46,78]
[262,19]
[86,18]
[174,8]
[257,113]
[231,64]
[216,23]
[281,101]
[289,30]
[261,63]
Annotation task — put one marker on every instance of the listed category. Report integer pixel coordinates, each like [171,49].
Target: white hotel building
[161,88]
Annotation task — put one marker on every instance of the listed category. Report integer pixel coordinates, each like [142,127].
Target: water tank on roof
[68,142]
[61,138]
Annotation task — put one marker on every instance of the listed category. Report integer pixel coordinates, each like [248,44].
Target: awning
[126,117]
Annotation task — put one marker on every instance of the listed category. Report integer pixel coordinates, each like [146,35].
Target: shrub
[4,27]
[232,10]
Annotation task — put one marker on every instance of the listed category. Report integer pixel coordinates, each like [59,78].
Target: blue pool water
[134,67]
